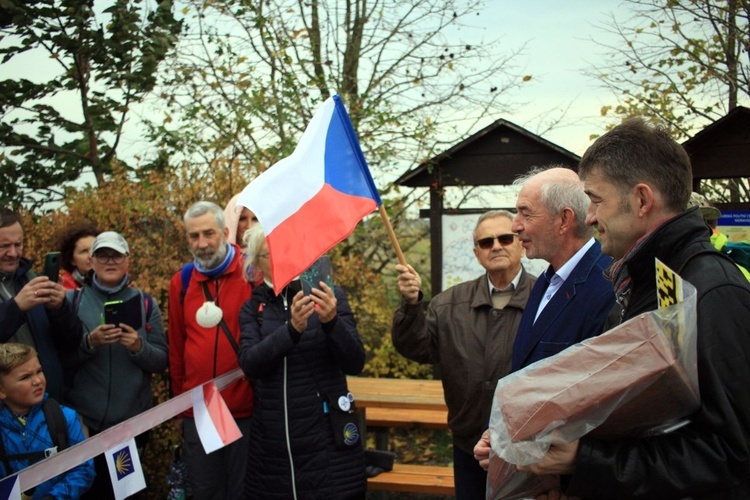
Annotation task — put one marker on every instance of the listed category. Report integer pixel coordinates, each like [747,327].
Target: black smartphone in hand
[52,266]
[127,312]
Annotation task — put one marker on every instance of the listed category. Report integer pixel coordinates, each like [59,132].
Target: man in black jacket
[33,309]
[639,181]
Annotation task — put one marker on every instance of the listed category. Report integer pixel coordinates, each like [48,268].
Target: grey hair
[557,194]
[200,208]
[491,214]
[253,241]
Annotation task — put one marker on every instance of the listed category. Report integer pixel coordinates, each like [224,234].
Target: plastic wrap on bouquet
[633,379]
[506,482]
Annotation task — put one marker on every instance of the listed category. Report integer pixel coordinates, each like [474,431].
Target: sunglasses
[503,239]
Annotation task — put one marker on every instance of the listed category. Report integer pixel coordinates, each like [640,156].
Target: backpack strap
[148,307]
[185,274]
[4,457]
[77,299]
[56,424]
[58,431]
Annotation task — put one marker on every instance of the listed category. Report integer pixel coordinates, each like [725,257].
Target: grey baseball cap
[707,211]
[110,239]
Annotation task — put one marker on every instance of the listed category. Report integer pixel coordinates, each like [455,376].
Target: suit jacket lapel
[525,342]
[530,334]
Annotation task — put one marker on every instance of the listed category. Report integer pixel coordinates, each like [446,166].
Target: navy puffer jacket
[291,440]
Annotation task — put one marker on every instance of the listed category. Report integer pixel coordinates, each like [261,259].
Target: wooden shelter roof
[722,149]
[495,155]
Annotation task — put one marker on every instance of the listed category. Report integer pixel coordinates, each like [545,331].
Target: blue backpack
[185,274]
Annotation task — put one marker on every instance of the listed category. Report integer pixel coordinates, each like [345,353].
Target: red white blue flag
[313,199]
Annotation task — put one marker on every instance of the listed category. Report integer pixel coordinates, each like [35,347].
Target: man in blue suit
[571,301]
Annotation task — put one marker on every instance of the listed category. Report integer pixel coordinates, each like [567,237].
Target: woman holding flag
[297,347]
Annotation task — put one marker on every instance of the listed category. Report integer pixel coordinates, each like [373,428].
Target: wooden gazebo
[722,151]
[494,156]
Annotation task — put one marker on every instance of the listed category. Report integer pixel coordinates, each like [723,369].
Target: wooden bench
[405,417]
[399,403]
[397,393]
[430,479]
[405,403]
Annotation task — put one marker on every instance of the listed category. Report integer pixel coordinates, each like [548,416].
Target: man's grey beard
[213,261]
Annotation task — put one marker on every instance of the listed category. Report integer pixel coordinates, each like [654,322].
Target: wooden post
[436,239]
[391,234]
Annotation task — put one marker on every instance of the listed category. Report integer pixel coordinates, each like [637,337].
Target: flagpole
[391,234]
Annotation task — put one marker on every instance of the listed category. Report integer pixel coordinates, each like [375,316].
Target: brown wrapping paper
[520,485]
[632,367]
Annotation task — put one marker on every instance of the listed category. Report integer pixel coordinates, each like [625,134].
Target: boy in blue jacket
[23,425]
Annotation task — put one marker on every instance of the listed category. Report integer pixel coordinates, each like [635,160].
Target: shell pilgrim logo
[351,434]
[123,463]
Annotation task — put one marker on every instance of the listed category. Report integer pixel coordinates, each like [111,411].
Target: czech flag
[214,422]
[313,199]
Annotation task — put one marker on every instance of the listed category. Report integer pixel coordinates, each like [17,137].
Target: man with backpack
[205,298]
[110,373]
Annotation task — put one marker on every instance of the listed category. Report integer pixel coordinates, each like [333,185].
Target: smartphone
[319,271]
[294,286]
[127,312]
[52,266]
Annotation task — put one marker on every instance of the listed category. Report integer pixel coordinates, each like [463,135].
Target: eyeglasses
[103,258]
[489,242]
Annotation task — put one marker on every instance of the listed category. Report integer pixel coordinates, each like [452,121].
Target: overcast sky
[560,47]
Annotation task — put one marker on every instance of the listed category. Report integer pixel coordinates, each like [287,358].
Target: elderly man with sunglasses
[468,330]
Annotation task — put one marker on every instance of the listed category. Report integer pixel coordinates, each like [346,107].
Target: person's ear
[645,199]
[567,219]
[226,233]
[3,394]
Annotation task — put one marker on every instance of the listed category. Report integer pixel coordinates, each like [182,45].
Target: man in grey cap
[33,309]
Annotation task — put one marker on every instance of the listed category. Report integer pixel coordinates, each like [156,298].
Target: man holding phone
[33,309]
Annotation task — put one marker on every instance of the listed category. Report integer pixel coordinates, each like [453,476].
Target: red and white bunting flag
[213,420]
